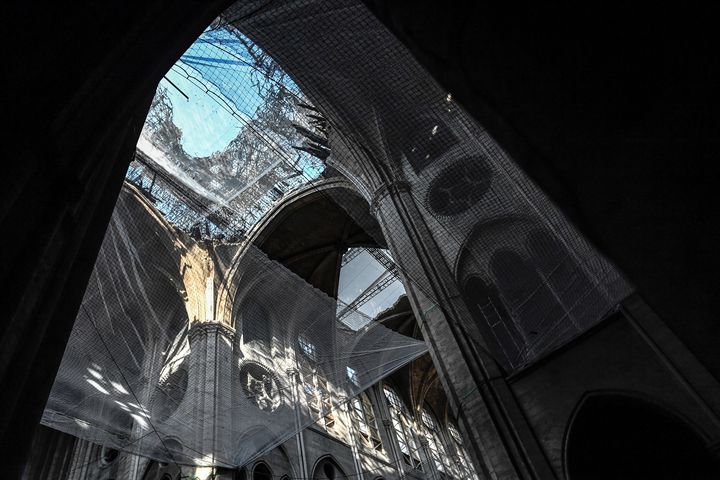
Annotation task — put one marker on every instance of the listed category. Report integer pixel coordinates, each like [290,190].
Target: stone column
[345,407]
[294,377]
[501,442]
[50,456]
[210,382]
[388,437]
[430,468]
[394,449]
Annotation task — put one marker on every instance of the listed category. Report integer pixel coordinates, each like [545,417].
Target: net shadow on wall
[528,296]
[563,275]
[493,321]
[157,396]
[255,323]
[530,300]
[427,139]
[460,186]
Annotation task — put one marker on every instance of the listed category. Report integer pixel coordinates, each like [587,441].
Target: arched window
[463,467]
[327,469]
[529,299]
[262,472]
[494,322]
[366,422]
[352,375]
[614,436]
[435,445]
[308,348]
[565,277]
[403,429]
[319,398]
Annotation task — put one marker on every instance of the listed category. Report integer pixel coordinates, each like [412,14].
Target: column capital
[198,329]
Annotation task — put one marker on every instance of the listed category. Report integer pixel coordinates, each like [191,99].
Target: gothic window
[262,472]
[529,299]
[460,186]
[366,422]
[494,322]
[319,399]
[463,467]
[307,347]
[435,445]
[402,425]
[353,376]
[563,275]
[328,469]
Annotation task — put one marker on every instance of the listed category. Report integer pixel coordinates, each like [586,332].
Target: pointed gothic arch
[616,435]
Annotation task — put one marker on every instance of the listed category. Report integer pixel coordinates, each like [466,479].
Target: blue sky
[212,95]
[217,81]
[206,127]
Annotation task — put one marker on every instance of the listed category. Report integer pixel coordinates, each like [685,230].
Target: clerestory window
[407,441]
[437,448]
[319,399]
[307,347]
[367,424]
[463,467]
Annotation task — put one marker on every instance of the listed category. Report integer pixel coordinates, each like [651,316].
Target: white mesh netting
[208,355]
[192,346]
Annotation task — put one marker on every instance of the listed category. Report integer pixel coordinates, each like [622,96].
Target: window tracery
[319,399]
[435,445]
[367,423]
[463,467]
[407,440]
[307,347]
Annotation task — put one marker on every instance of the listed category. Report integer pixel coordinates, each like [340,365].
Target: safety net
[198,343]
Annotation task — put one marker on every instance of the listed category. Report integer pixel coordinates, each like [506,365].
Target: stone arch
[460,186]
[336,190]
[525,289]
[279,461]
[493,321]
[261,471]
[617,435]
[528,298]
[159,471]
[326,468]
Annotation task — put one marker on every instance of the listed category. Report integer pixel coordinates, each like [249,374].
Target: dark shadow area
[619,437]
